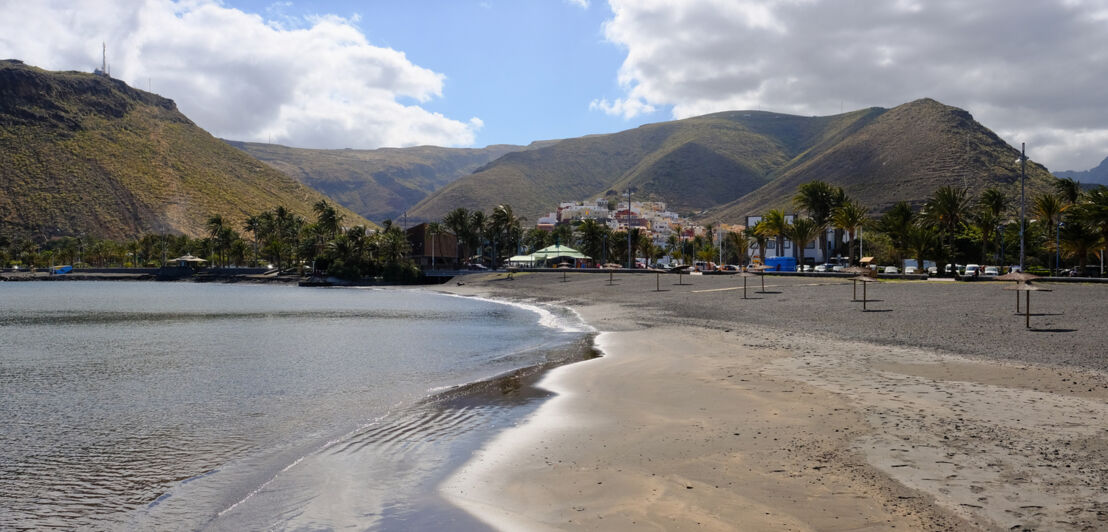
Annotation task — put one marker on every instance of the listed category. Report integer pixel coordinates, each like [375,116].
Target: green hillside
[691,164]
[726,166]
[86,154]
[377,184]
[904,153]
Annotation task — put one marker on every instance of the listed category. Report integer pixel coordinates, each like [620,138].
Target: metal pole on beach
[1023,207]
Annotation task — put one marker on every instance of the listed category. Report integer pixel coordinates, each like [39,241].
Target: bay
[136,405]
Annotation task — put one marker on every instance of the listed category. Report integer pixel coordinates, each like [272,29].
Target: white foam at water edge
[546,317]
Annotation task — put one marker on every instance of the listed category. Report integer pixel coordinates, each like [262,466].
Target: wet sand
[797,411]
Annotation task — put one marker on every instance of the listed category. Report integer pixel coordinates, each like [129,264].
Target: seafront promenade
[795,409]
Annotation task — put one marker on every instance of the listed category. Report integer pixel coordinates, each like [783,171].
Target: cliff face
[87,154]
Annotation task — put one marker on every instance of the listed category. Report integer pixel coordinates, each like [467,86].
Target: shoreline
[869,434]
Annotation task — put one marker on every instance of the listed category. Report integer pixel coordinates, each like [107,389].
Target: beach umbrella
[863,279]
[860,270]
[680,271]
[1018,277]
[744,275]
[761,269]
[1026,287]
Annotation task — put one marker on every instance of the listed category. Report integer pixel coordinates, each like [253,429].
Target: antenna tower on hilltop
[103,70]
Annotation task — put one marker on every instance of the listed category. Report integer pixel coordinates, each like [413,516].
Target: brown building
[442,247]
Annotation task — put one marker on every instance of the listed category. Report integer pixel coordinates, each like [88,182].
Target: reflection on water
[147,405]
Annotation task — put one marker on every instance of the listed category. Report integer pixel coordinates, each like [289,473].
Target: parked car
[972,270]
[910,270]
[823,267]
[934,270]
[807,267]
[837,268]
[890,269]
[991,271]
[702,266]
[730,268]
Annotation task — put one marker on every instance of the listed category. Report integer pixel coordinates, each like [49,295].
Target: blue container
[781,264]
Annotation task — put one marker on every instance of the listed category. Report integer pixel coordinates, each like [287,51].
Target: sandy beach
[795,410]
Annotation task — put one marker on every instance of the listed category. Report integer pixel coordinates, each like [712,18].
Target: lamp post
[630,255]
[1023,197]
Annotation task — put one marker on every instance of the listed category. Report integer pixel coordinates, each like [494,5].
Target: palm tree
[1078,240]
[1069,189]
[252,225]
[921,241]
[504,228]
[328,219]
[991,208]
[761,236]
[896,224]
[592,237]
[1048,209]
[535,239]
[673,244]
[1093,210]
[801,232]
[737,244]
[850,216]
[820,200]
[946,210]
[434,229]
[215,227]
[774,227]
[478,231]
[457,221]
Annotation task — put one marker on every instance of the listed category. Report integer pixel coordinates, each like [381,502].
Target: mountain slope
[1097,176]
[726,166]
[377,184]
[691,164]
[903,154]
[86,154]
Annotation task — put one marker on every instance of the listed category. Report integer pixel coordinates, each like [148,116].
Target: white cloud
[627,108]
[583,4]
[1036,73]
[313,82]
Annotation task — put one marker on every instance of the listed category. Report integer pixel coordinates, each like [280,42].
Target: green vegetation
[88,156]
[951,227]
[726,166]
[278,238]
[691,164]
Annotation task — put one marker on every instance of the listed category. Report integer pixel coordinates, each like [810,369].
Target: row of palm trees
[278,236]
[950,226]
[491,237]
[825,206]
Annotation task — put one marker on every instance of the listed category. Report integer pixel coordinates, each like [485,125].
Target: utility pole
[630,255]
[1023,207]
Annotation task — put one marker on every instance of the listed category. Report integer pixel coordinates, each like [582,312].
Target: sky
[470,73]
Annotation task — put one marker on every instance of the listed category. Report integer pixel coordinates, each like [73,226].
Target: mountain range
[87,154]
[726,166]
[1094,176]
[383,183]
[82,153]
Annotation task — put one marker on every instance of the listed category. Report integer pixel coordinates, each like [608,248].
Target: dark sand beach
[796,410]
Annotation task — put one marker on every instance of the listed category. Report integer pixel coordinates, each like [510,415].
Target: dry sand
[713,412]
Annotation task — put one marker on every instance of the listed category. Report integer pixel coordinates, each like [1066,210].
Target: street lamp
[1023,196]
[630,255]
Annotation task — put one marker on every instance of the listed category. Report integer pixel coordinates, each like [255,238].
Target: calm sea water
[186,406]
